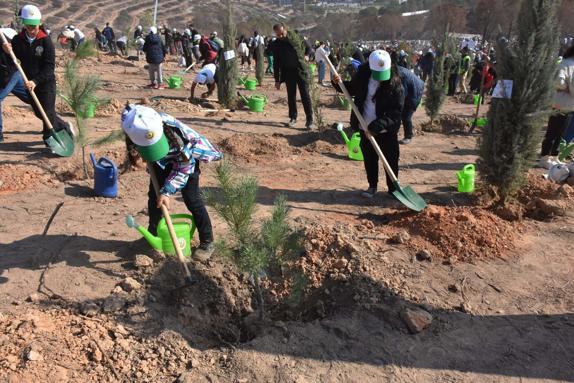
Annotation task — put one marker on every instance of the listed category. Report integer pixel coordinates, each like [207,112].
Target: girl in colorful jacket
[174,150]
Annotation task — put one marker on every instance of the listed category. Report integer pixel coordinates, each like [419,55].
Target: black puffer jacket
[7,68]
[38,59]
[389,102]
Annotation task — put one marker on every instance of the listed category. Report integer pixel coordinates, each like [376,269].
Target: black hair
[278,26]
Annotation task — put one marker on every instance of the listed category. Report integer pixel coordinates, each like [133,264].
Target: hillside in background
[321,20]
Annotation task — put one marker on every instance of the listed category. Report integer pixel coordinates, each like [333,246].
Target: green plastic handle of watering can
[174,217]
[468,168]
[261,96]
[242,80]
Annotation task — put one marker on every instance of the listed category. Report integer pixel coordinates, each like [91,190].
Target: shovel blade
[408,197]
[61,143]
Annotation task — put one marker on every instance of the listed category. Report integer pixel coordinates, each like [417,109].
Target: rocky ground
[461,292]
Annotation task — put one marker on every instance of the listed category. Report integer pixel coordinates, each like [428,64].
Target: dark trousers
[292,84]
[407,119]
[192,198]
[389,144]
[452,83]
[47,99]
[554,132]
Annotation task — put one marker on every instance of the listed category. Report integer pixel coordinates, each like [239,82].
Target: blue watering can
[105,177]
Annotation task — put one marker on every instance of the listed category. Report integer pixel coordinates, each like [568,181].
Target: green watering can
[250,83]
[312,68]
[256,103]
[90,110]
[184,226]
[174,82]
[466,179]
[353,144]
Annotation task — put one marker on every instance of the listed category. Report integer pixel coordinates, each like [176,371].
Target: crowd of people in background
[469,70]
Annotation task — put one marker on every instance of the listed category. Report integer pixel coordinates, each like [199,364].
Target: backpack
[213,45]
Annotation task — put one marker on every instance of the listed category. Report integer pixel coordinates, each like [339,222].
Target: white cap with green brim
[380,64]
[31,15]
[144,126]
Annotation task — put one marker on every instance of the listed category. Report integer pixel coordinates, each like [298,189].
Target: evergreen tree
[435,90]
[227,76]
[510,140]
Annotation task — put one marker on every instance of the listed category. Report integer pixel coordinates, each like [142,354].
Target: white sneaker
[546,162]
[369,193]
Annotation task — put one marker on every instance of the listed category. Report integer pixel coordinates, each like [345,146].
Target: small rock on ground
[89,309]
[424,255]
[416,319]
[113,303]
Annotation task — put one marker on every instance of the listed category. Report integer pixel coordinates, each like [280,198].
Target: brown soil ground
[78,304]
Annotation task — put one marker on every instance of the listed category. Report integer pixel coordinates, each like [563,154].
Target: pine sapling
[79,92]
[253,249]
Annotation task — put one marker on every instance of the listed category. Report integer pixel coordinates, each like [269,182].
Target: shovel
[61,143]
[405,194]
[188,279]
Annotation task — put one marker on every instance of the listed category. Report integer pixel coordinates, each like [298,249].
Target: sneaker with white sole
[546,162]
[204,251]
[369,193]
[405,141]
[292,122]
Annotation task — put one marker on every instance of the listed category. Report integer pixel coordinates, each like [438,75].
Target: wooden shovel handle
[32,93]
[168,222]
[364,126]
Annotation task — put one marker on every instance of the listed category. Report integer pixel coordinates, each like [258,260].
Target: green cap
[154,152]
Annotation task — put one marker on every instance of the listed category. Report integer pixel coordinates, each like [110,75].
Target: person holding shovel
[379,96]
[174,151]
[37,56]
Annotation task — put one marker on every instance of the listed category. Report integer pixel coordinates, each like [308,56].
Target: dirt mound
[542,199]
[14,178]
[113,108]
[174,106]
[446,124]
[251,148]
[461,233]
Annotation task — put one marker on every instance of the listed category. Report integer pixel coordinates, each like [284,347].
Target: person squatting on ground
[174,150]
[563,105]
[37,56]
[155,53]
[290,67]
[206,76]
[379,96]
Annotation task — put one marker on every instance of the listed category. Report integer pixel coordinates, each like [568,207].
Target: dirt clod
[129,284]
[143,261]
[402,237]
[113,303]
[89,309]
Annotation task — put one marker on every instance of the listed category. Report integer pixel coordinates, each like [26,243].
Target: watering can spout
[343,134]
[153,240]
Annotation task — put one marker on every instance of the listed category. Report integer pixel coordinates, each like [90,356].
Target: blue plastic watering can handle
[93,158]
[106,161]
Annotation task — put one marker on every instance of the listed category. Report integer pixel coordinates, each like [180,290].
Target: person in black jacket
[413,89]
[290,66]
[37,56]
[155,53]
[379,96]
